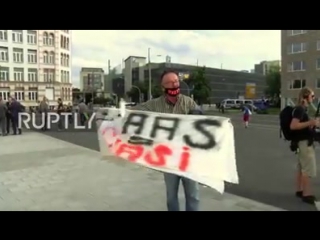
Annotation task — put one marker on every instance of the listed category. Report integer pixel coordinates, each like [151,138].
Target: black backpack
[285,121]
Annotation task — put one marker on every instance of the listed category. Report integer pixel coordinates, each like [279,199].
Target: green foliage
[156,91]
[200,86]
[273,80]
[134,93]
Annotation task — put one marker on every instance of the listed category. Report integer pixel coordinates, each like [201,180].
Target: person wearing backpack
[246,115]
[302,135]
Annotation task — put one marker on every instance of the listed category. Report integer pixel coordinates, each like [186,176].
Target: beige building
[300,59]
[34,64]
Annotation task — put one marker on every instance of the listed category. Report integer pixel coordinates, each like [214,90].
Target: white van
[235,103]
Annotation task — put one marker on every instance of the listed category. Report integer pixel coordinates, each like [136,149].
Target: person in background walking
[15,108]
[246,115]
[60,109]
[69,110]
[8,115]
[43,109]
[3,112]
[83,112]
[175,103]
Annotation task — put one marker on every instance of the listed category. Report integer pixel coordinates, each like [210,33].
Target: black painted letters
[199,126]
[137,120]
[158,127]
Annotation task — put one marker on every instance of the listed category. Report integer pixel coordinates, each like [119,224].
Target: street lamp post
[150,80]
[138,91]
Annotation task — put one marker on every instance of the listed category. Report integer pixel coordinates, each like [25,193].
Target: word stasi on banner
[69,121]
[204,153]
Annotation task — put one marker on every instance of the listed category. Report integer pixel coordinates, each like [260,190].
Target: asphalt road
[265,164]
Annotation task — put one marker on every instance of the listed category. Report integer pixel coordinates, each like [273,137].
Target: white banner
[194,146]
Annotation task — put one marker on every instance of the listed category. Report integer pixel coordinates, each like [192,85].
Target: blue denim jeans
[191,192]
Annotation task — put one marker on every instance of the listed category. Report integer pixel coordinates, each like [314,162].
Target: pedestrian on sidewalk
[3,112]
[303,129]
[15,108]
[83,112]
[175,103]
[69,110]
[60,109]
[43,110]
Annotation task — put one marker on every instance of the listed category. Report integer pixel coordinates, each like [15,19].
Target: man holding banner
[167,134]
[174,102]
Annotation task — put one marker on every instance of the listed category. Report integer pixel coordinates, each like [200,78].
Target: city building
[114,73]
[92,80]
[264,66]
[224,83]
[300,60]
[34,64]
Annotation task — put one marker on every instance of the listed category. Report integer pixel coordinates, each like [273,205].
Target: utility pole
[150,79]
[109,67]
[109,78]
[92,86]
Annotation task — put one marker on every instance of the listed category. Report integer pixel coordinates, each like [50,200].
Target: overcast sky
[235,49]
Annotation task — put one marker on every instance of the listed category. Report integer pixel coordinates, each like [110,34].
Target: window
[32,37]
[67,61]
[18,55]
[32,75]
[51,58]
[297,48]
[62,59]
[48,75]
[4,74]
[5,95]
[318,82]
[19,95]
[45,38]
[18,74]
[67,43]
[296,32]
[32,56]
[67,77]
[33,96]
[3,35]
[45,57]
[4,56]
[297,84]
[62,41]
[297,66]
[318,63]
[51,40]
[62,76]
[17,36]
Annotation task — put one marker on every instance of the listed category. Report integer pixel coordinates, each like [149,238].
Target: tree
[76,93]
[273,81]
[200,86]
[156,91]
[134,93]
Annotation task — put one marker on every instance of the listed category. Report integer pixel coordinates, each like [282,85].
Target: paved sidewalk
[38,172]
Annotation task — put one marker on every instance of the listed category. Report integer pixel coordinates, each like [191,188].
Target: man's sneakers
[307,199]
